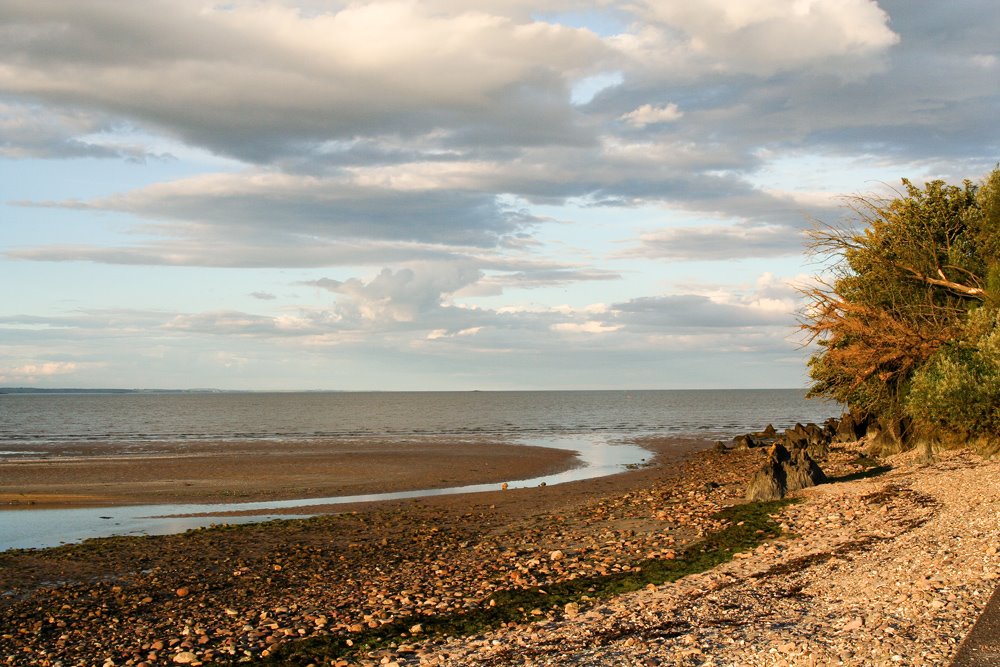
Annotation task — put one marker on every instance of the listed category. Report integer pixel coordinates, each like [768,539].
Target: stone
[801,471]
[854,624]
[185,658]
[768,483]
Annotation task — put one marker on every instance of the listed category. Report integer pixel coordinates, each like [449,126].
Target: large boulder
[768,483]
[794,439]
[783,472]
[851,428]
[769,432]
[801,471]
[890,436]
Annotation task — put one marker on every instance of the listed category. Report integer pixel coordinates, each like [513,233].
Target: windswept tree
[907,323]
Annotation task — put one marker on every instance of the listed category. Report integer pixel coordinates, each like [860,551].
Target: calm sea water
[40,420]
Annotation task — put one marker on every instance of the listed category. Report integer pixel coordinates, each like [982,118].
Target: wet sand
[255,471]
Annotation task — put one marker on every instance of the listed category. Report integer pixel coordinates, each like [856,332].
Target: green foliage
[908,327]
[958,390]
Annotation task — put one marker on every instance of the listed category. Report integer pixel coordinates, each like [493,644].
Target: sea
[604,428]
[74,422]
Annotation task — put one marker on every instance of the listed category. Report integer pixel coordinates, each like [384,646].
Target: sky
[441,195]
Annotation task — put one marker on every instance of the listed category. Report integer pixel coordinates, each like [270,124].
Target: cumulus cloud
[256,80]
[440,141]
[399,296]
[588,327]
[647,114]
[767,36]
[37,371]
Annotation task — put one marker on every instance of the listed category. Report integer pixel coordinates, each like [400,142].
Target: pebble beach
[878,567]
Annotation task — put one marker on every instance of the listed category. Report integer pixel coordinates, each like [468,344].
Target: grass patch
[748,526]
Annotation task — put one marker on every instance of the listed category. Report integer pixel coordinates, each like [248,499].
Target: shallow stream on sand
[26,529]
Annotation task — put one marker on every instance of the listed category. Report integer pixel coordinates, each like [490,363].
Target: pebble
[907,574]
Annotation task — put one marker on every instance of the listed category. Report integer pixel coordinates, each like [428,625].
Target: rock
[890,436]
[556,555]
[778,453]
[851,428]
[572,610]
[854,624]
[183,591]
[416,629]
[819,449]
[768,483]
[794,439]
[801,471]
[185,658]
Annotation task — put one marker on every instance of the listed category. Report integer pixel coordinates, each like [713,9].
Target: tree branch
[959,288]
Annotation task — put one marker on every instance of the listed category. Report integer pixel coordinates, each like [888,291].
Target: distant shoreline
[98,390]
[38,390]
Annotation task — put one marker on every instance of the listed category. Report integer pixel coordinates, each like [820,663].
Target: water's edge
[40,528]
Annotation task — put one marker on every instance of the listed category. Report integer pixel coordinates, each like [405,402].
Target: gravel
[891,570]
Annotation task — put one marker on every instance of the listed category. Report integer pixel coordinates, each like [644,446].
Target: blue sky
[419,195]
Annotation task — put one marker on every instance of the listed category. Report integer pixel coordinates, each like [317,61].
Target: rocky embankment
[877,567]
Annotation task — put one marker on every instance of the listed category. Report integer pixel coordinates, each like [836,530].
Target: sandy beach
[872,569]
[207,472]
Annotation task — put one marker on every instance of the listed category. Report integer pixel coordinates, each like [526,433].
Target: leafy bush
[957,392]
[908,325]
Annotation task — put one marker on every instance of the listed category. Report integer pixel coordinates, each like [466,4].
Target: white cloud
[588,327]
[444,143]
[400,296]
[985,60]
[647,114]
[763,37]
[718,242]
[254,79]
[438,334]
[37,371]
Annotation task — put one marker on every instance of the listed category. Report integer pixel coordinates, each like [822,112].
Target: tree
[907,325]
